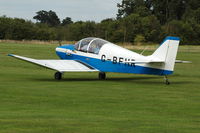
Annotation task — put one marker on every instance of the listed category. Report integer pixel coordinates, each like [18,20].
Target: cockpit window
[84,44]
[96,45]
[90,45]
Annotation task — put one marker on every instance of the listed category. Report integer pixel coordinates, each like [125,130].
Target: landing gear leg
[102,75]
[166,80]
[58,75]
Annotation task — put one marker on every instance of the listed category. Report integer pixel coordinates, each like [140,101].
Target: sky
[93,10]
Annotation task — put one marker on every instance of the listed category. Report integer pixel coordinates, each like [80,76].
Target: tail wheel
[102,75]
[58,75]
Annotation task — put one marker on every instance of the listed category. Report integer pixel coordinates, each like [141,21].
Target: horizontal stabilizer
[181,61]
[59,65]
[145,62]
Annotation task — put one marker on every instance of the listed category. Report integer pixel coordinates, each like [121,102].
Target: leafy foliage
[49,18]
[151,19]
[67,21]
[139,39]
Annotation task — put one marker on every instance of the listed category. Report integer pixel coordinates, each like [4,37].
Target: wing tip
[10,55]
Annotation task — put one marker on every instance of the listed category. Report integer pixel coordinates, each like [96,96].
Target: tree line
[136,21]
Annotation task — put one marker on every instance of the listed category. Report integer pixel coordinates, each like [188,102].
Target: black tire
[167,83]
[58,75]
[102,76]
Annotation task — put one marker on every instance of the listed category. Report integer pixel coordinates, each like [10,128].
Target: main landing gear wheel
[102,75]
[166,80]
[58,75]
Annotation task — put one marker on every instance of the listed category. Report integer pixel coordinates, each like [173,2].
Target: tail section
[167,52]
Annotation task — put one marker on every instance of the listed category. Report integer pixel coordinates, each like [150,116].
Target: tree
[128,7]
[67,21]
[150,28]
[189,33]
[5,28]
[168,10]
[104,28]
[197,15]
[22,29]
[49,18]
[131,26]
[16,29]
[44,32]
[139,39]
[165,10]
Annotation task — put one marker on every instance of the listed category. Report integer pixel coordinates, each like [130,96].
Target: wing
[59,65]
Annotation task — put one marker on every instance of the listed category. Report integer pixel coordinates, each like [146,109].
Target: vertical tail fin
[167,52]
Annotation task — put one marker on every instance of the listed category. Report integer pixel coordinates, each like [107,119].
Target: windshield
[76,46]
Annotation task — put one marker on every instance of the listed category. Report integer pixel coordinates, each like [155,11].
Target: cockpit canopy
[90,45]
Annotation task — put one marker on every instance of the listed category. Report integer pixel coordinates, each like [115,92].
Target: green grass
[31,101]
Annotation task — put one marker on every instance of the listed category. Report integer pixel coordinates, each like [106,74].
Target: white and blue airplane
[98,55]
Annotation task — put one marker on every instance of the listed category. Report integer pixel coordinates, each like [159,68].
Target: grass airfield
[32,101]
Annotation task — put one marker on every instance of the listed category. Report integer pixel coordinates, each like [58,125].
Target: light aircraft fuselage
[110,58]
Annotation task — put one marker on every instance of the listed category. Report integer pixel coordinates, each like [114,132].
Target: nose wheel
[58,75]
[102,75]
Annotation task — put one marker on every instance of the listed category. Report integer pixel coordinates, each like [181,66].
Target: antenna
[144,50]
